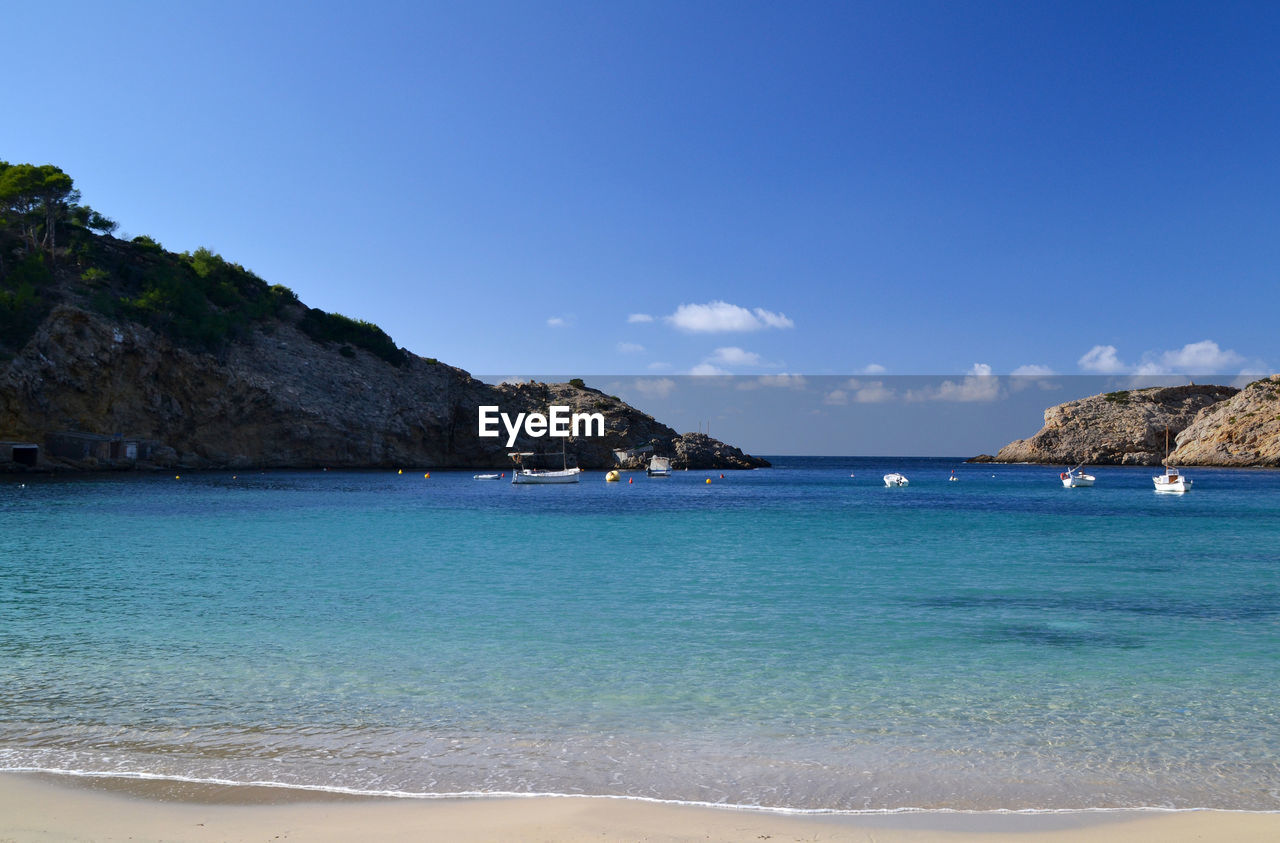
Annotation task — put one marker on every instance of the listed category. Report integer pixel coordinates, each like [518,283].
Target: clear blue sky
[913,187]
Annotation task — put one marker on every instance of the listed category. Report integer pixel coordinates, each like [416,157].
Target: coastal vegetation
[55,250]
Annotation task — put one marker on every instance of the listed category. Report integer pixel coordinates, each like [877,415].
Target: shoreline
[51,807]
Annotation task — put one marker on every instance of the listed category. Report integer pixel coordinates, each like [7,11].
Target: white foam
[500,794]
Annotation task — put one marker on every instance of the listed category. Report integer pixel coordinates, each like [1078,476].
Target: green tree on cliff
[36,199]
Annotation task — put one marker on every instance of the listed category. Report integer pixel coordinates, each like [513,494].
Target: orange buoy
[425,476]
[631,480]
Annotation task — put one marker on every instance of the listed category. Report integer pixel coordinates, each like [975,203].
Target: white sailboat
[1075,477]
[895,479]
[1172,481]
[527,475]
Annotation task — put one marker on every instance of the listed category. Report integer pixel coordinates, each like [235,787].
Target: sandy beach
[41,808]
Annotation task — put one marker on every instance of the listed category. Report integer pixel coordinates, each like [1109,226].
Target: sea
[799,638]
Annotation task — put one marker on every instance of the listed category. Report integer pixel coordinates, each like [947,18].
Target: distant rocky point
[1207,425]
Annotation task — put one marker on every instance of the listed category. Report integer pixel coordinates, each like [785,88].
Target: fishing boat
[1172,481]
[895,479]
[659,466]
[1074,477]
[527,474]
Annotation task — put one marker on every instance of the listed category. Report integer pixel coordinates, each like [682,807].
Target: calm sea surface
[792,637]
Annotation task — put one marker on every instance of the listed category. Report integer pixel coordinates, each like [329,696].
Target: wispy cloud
[783,381]
[978,385]
[654,387]
[733,356]
[630,347]
[557,322]
[873,369]
[706,369]
[718,317]
[637,318]
[1032,370]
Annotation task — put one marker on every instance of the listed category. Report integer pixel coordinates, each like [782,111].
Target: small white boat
[1074,477]
[659,466]
[895,479]
[486,476]
[524,475]
[1172,480]
[952,478]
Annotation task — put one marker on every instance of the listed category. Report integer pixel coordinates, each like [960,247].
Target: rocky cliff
[278,398]
[1118,428]
[1242,430]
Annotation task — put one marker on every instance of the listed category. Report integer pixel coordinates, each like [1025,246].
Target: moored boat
[895,479]
[1075,477]
[1172,481]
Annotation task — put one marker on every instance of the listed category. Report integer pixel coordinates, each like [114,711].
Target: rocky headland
[1205,424]
[119,355]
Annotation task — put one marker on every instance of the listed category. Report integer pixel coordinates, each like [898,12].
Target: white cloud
[734,356]
[1025,377]
[977,385]
[722,317]
[557,322]
[1205,357]
[630,347]
[1196,358]
[874,392]
[655,387]
[783,381]
[705,369]
[658,366]
[873,369]
[1102,359]
[635,318]
[863,392]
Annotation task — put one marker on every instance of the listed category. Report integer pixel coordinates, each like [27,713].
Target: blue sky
[823,188]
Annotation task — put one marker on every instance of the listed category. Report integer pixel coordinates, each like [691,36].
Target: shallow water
[791,637]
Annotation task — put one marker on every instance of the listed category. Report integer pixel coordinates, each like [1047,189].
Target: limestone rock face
[1118,428]
[1243,430]
[279,399]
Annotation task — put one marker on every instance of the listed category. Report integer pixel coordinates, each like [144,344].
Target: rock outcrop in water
[1119,428]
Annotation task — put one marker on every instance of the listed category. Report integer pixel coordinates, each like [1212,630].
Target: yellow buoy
[426,476]
[708,479]
[399,471]
[612,476]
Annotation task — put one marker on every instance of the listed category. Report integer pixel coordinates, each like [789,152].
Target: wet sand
[44,808]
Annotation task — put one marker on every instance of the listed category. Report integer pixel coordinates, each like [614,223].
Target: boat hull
[895,480]
[531,477]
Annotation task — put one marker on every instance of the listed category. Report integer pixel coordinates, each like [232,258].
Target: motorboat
[1172,481]
[1073,477]
[486,476]
[659,466]
[895,479]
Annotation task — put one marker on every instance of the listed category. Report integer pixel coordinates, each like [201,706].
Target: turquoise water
[790,638]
